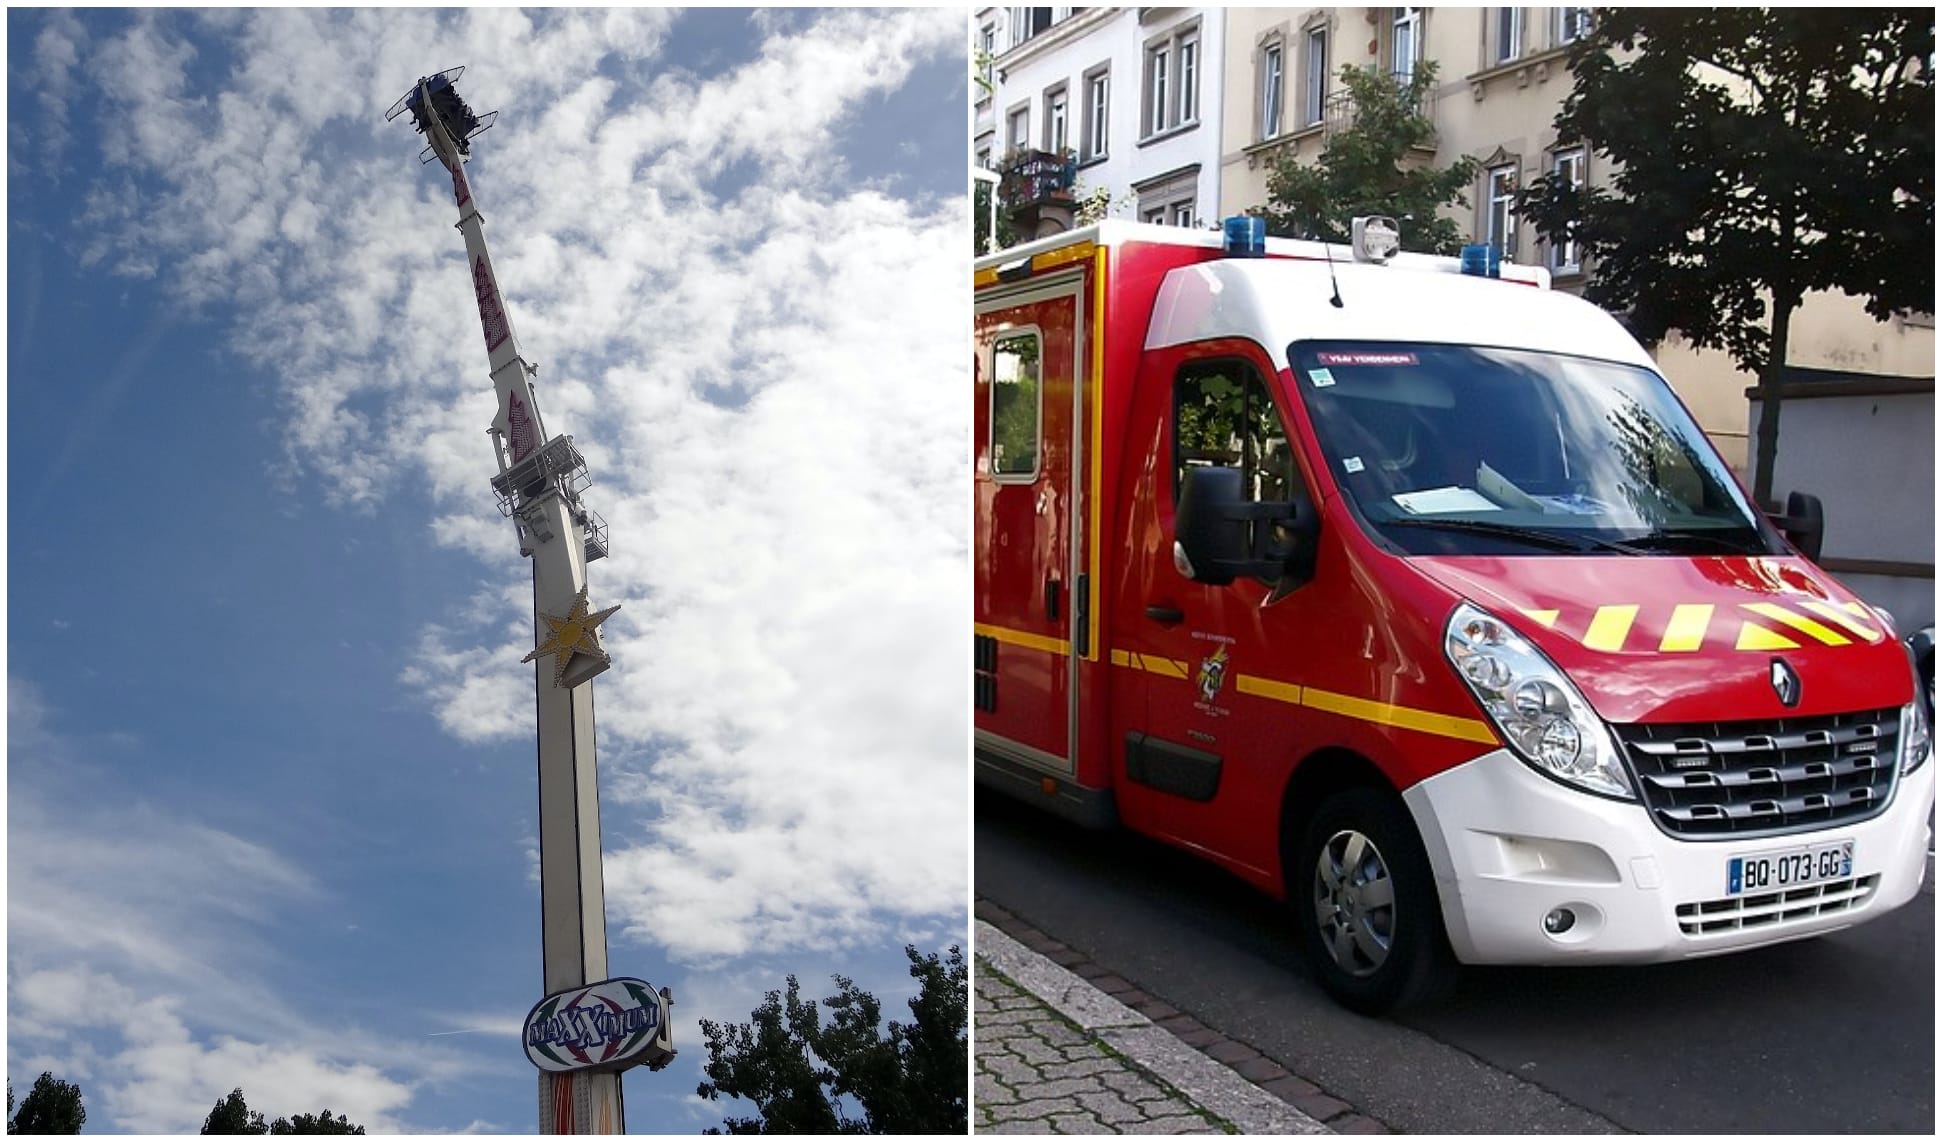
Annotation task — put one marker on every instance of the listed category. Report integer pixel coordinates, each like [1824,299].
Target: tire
[1365,906]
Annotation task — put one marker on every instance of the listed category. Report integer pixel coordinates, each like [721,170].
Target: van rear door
[1029,348]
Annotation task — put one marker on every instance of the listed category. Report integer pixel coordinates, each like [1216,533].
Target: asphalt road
[1833,1035]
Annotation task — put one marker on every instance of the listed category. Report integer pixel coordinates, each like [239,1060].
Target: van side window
[1223,417]
[1015,401]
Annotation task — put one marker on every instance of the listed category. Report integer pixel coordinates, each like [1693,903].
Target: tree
[1758,155]
[984,240]
[52,1107]
[805,1076]
[1366,168]
[315,1124]
[232,1115]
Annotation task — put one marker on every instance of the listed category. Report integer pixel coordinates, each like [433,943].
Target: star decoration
[571,634]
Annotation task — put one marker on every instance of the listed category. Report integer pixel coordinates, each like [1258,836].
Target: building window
[1499,226]
[1270,91]
[1171,199]
[987,50]
[1189,52]
[1024,23]
[1172,81]
[1510,33]
[984,156]
[1567,167]
[1055,118]
[1018,128]
[1015,405]
[1157,61]
[1316,92]
[1094,136]
[1573,23]
[1406,45]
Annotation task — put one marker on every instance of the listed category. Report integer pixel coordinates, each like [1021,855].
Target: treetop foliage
[846,1075]
[1375,165]
[232,1115]
[1751,153]
[53,1106]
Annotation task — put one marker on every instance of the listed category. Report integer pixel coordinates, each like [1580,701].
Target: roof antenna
[1329,254]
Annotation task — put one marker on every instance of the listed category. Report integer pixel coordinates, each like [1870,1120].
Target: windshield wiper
[1511,531]
[1685,541]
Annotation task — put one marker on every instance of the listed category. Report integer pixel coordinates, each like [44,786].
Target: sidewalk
[1057,1055]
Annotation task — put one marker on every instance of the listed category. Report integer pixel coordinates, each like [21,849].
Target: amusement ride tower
[588,1028]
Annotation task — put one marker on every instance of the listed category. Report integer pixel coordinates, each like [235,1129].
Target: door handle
[1165,614]
[1052,600]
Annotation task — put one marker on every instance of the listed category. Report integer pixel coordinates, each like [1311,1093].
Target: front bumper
[1508,846]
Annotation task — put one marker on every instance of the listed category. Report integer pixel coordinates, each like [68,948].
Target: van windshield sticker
[1352,464]
[1366,358]
[1321,378]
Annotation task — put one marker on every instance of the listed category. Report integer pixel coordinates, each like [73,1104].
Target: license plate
[1789,868]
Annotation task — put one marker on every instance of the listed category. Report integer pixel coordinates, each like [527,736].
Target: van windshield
[1456,449]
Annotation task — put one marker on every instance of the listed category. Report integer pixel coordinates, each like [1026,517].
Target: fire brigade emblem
[1213,672]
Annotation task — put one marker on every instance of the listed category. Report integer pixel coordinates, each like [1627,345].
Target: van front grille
[1764,778]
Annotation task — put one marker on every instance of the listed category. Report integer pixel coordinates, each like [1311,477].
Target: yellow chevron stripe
[1687,630]
[1842,615]
[1801,623]
[1025,639]
[1610,626]
[1756,637]
[1545,619]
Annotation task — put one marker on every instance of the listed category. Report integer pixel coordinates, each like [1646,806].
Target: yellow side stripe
[1381,713]
[1801,623]
[1024,638]
[1268,688]
[1687,630]
[1361,709]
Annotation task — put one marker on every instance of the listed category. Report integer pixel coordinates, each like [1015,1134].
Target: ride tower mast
[538,485]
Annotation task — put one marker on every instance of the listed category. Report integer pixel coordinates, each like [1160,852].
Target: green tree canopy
[808,1076]
[52,1107]
[321,1123]
[1367,168]
[1755,155]
[232,1115]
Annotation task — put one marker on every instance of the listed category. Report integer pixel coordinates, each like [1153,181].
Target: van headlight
[1536,708]
[1915,737]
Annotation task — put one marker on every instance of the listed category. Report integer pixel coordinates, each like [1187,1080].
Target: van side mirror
[1803,525]
[1213,541]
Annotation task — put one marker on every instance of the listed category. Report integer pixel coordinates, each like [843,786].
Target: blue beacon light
[1243,236]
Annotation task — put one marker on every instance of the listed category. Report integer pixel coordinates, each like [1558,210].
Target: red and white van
[1415,597]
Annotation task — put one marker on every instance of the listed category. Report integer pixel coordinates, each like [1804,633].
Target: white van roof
[1274,302]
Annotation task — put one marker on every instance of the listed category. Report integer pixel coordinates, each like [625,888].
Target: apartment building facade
[1128,97]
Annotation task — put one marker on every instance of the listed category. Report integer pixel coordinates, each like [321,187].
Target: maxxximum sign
[605,1026]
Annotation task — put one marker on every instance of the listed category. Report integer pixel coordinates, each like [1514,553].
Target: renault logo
[1786,684]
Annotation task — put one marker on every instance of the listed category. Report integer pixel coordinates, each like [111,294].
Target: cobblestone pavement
[1056,1055]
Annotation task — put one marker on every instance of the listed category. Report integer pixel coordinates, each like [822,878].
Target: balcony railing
[1027,178]
[1338,113]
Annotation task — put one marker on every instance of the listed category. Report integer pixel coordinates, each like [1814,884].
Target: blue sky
[270,792]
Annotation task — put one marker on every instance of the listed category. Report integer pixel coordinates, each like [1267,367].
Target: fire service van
[1405,589]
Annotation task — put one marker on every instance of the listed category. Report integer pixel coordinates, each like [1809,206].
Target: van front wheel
[1365,905]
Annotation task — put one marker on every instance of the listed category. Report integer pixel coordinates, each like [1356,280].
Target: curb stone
[1209,1085]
